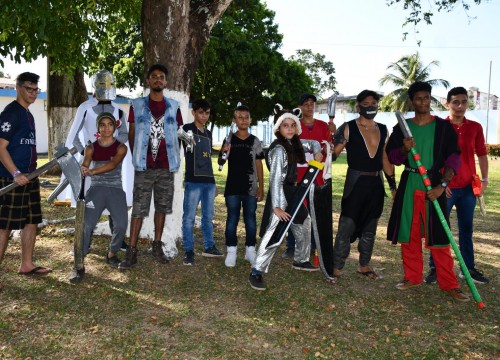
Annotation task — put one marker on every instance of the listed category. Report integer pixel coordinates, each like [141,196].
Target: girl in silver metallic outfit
[284,154]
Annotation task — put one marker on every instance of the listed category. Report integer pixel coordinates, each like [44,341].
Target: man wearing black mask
[363,197]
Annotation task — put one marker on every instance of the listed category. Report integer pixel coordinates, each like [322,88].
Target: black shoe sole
[255,287]
[126,268]
[77,276]
[461,276]
[161,260]
[305,269]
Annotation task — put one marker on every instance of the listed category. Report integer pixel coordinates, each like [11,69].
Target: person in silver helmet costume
[84,130]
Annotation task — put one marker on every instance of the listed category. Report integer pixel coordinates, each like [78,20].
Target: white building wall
[263,130]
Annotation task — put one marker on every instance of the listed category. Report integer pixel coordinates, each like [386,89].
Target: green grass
[209,312]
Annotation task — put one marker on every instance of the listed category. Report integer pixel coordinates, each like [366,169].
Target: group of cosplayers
[299,199]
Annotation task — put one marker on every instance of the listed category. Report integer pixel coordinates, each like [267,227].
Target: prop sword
[222,159]
[332,104]
[78,267]
[64,158]
[423,172]
[298,198]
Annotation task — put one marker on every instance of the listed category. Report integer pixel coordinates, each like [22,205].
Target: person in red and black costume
[413,217]
[459,191]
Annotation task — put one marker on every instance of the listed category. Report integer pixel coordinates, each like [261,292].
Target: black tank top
[358,157]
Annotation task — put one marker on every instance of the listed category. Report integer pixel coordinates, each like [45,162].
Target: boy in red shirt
[459,191]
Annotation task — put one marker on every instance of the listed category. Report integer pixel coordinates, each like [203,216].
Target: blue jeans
[233,204]
[193,194]
[465,203]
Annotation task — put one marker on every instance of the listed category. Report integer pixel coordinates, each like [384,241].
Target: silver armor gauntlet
[187,138]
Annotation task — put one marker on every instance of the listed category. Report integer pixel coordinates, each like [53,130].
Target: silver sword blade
[332,104]
[403,125]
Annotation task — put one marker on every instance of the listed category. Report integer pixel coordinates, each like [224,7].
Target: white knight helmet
[104,85]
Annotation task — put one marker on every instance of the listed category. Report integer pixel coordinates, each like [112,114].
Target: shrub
[493,150]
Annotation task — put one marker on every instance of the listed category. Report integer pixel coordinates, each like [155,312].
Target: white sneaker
[231,256]
[250,254]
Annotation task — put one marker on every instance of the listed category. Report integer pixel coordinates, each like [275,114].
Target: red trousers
[411,252]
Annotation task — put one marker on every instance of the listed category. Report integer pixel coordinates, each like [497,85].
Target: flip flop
[36,271]
[369,274]
[331,280]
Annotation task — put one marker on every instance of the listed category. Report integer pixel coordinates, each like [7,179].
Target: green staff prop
[423,172]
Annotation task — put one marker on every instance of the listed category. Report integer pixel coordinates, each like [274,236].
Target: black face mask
[368,112]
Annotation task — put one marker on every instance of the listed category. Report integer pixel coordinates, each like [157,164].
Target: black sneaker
[305,266]
[212,252]
[476,275]
[431,277]
[189,258]
[77,276]
[124,246]
[257,282]
[113,261]
[288,253]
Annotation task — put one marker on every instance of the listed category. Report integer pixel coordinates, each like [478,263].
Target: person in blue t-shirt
[20,208]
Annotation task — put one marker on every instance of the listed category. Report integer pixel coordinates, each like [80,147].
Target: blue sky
[361,38]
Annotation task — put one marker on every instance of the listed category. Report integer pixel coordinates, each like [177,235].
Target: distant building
[480,99]
[345,104]
[6,83]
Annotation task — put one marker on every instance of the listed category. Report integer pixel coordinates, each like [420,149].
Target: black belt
[289,183]
[413,170]
[369,173]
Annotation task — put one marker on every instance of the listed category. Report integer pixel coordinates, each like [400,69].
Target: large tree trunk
[65,94]
[174,33]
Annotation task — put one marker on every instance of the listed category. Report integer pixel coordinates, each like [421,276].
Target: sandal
[370,274]
[331,280]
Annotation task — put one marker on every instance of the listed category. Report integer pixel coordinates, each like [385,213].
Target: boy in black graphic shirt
[199,185]
[244,185]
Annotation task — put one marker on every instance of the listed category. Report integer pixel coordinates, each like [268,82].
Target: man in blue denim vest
[153,124]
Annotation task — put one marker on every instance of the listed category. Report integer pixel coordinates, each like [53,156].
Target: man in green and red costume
[413,217]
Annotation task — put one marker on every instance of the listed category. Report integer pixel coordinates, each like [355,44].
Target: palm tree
[408,69]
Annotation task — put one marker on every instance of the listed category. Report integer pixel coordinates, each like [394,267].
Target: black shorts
[20,206]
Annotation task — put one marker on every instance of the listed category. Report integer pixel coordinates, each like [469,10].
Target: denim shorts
[161,181]
[20,206]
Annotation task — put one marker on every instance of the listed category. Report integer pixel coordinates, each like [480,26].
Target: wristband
[485,179]
[16,173]
[391,180]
